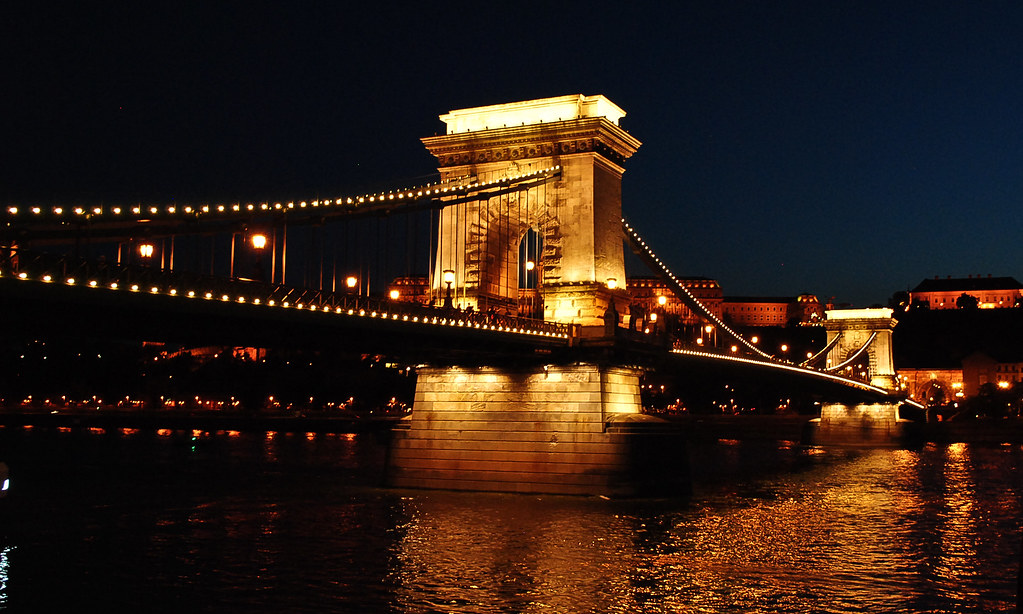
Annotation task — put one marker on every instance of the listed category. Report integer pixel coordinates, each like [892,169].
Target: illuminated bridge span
[761,359]
[517,251]
[57,222]
[182,286]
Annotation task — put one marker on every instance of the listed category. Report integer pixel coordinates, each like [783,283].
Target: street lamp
[352,287]
[711,334]
[257,240]
[612,283]
[661,302]
[448,278]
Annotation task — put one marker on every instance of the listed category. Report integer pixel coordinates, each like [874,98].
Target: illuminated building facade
[990,292]
[950,385]
[980,368]
[932,386]
[772,311]
[646,293]
[948,355]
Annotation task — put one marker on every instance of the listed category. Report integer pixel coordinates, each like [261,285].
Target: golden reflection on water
[276,528]
[956,529]
[271,448]
[878,531]
[533,554]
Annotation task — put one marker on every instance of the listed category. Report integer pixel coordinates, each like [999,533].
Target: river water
[185,521]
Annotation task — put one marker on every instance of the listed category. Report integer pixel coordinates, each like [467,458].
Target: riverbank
[198,420]
[799,429]
[694,427]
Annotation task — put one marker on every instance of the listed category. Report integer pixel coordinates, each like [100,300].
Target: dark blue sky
[848,149]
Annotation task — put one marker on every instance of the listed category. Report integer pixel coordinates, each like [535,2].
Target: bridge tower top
[578,216]
[529,112]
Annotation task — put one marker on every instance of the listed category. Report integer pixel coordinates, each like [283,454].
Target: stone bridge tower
[854,328]
[862,423]
[557,428]
[577,215]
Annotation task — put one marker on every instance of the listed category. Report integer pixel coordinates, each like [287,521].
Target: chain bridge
[504,280]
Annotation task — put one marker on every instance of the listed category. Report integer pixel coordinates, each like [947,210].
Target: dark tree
[967,301]
[899,301]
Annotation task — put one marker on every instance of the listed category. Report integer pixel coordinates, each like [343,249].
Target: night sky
[847,149]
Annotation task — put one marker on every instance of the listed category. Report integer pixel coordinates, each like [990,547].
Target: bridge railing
[69,270]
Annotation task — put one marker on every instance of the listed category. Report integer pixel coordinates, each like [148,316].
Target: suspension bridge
[505,280]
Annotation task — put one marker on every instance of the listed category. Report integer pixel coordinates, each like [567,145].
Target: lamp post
[532,288]
[146,251]
[257,240]
[449,278]
[230,271]
[351,289]
[659,312]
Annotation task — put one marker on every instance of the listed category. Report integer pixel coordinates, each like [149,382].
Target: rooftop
[529,112]
[959,284]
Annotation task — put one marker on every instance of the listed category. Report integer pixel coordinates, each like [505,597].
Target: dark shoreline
[696,427]
[204,421]
[799,429]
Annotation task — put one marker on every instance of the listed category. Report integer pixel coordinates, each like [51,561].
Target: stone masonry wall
[519,431]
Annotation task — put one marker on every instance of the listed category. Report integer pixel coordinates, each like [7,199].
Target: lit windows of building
[989,292]
[647,292]
[772,311]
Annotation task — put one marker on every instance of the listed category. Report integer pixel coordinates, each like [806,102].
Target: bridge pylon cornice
[506,144]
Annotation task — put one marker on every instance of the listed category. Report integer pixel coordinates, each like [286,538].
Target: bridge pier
[572,430]
[866,424]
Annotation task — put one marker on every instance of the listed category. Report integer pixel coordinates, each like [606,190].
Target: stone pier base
[875,424]
[573,430]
